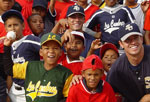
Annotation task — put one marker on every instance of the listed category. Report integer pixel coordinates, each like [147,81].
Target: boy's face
[50,51]
[75,48]
[6,4]
[14,24]
[92,78]
[36,24]
[108,59]
[76,21]
[39,10]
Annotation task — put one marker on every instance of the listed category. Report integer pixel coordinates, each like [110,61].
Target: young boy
[24,48]
[36,24]
[91,88]
[71,59]
[45,81]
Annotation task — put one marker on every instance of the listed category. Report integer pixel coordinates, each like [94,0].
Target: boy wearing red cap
[91,87]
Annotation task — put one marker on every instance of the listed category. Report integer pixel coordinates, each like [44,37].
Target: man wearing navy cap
[74,22]
[130,74]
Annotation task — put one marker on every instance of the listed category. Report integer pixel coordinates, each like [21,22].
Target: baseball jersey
[89,11]
[25,49]
[75,66]
[110,19]
[139,16]
[43,85]
[133,84]
[80,93]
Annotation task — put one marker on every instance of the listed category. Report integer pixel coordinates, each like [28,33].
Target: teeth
[134,47]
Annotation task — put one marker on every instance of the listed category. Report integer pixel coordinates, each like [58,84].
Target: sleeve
[147,20]
[66,86]
[8,63]
[130,16]
[19,70]
[51,16]
[71,96]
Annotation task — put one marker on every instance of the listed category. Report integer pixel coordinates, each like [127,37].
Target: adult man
[130,74]
[74,22]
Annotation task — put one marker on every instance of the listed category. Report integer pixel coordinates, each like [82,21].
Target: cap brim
[52,40]
[130,34]
[75,13]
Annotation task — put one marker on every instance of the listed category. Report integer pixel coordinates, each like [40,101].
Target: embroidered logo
[129,27]
[76,8]
[40,90]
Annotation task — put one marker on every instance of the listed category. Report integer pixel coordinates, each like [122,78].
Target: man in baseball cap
[132,67]
[92,71]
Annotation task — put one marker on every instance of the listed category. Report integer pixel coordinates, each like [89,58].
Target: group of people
[73,54]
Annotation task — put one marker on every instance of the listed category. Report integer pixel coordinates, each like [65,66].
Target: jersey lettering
[147,82]
[39,90]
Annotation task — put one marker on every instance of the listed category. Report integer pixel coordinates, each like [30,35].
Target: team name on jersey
[147,82]
[39,90]
[112,26]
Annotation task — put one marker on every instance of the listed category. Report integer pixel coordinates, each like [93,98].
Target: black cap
[10,13]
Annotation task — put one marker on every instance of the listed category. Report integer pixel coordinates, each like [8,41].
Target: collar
[98,89]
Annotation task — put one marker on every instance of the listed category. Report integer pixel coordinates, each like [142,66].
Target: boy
[91,88]
[45,81]
[24,48]
[36,24]
[71,59]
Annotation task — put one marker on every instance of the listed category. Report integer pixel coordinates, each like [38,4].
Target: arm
[146,37]
[63,23]
[52,6]
[96,44]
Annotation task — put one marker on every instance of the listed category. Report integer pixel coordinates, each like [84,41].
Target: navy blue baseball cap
[128,30]
[41,3]
[10,13]
[75,9]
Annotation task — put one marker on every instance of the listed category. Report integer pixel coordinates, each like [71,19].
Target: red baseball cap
[106,47]
[92,61]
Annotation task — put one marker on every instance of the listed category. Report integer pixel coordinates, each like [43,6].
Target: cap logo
[129,27]
[52,37]
[76,8]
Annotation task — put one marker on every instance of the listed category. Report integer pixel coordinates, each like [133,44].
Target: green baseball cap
[50,36]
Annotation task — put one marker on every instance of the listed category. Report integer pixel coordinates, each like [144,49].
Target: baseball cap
[92,61]
[107,46]
[10,13]
[50,36]
[41,3]
[75,9]
[128,30]
[80,34]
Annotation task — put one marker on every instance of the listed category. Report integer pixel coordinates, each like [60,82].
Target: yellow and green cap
[51,36]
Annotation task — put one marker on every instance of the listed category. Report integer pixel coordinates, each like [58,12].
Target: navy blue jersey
[110,19]
[132,84]
[25,49]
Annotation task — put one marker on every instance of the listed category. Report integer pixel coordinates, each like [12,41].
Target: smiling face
[109,58]
[50,51]
[75,48]
[92,78]
[76,21]
[132,45]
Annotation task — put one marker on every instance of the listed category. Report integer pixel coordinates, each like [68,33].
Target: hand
[97,35]
[67,37]
[96,44]
[64,25]
[145,98]
[145,6]
[8,42]
[76,80]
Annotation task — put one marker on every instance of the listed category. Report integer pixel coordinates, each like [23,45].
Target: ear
[40,52]
[120,43]
[82,73]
